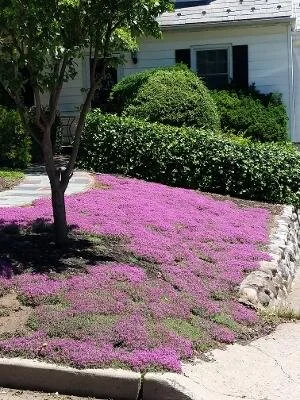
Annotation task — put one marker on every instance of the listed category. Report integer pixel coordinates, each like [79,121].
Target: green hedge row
[191,158]
[15,145]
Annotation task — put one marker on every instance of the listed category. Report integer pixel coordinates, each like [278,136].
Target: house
[224,41]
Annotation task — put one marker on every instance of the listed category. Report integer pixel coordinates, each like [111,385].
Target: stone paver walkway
[36,185]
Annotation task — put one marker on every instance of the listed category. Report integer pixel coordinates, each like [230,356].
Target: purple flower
[223,335]
[182,248]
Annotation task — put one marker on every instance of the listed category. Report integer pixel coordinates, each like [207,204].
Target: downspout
[292,119]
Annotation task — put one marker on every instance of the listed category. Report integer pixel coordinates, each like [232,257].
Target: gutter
[204,25]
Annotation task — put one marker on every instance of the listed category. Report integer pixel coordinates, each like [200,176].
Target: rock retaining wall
[271,283]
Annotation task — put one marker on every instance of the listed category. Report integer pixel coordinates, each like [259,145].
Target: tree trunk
[57,188]
[59,214]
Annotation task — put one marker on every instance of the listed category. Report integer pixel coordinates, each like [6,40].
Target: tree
[46,39]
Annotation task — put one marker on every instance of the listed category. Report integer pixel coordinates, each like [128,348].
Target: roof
[220,11]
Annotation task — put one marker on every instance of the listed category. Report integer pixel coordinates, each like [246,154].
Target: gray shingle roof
[220,11]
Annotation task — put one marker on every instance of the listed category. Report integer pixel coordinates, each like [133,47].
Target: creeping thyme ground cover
[170,295]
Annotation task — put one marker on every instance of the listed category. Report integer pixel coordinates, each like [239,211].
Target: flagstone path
[36,185]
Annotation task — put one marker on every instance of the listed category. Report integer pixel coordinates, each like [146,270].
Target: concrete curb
[116,384]
[24,374]
[170,386]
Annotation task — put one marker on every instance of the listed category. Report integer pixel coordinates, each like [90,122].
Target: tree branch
[66,175]
[54,97]
[38,108]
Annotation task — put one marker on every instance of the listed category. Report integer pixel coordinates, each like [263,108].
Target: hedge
[261,117]
[14,143]
[173,96]
[191,158]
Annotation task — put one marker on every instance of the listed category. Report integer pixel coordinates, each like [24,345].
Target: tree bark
[59,214]
[57,189]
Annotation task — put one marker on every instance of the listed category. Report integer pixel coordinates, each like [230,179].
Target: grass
[9,178]
[280,313]
[227,321]
[148,278]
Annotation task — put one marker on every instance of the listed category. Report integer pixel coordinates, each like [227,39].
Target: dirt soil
[13,315]
[11,394]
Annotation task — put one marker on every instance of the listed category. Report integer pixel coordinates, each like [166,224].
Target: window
[213,65]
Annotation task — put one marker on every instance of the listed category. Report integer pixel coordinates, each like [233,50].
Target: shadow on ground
[33,249]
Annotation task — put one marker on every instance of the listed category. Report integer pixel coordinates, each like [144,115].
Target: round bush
[252,114]
[193,158]
[173,96]
[14,143]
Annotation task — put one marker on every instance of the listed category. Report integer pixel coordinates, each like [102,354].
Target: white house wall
[269,61]
[296,13]
[268,51]
[71,95]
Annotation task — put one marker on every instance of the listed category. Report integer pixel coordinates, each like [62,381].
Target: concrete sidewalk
[265,369]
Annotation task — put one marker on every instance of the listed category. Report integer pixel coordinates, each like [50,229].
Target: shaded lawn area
[149,278]
[9,178]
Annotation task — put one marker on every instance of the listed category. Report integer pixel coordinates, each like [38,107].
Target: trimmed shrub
[173,96]
[252,114]
[125,91]
[191,158]
[14,143]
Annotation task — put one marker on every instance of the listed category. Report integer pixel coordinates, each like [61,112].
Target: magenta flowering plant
[172,295]
[6,281]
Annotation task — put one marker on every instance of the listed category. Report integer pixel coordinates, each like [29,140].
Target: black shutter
[183,56]
[240,67]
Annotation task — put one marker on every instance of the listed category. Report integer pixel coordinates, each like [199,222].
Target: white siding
[268,46]
[71,96]
[296,13]
[270,65]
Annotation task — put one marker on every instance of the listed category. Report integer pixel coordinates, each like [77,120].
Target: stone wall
[271,283]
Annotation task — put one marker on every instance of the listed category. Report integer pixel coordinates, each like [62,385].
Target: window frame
[228,47]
